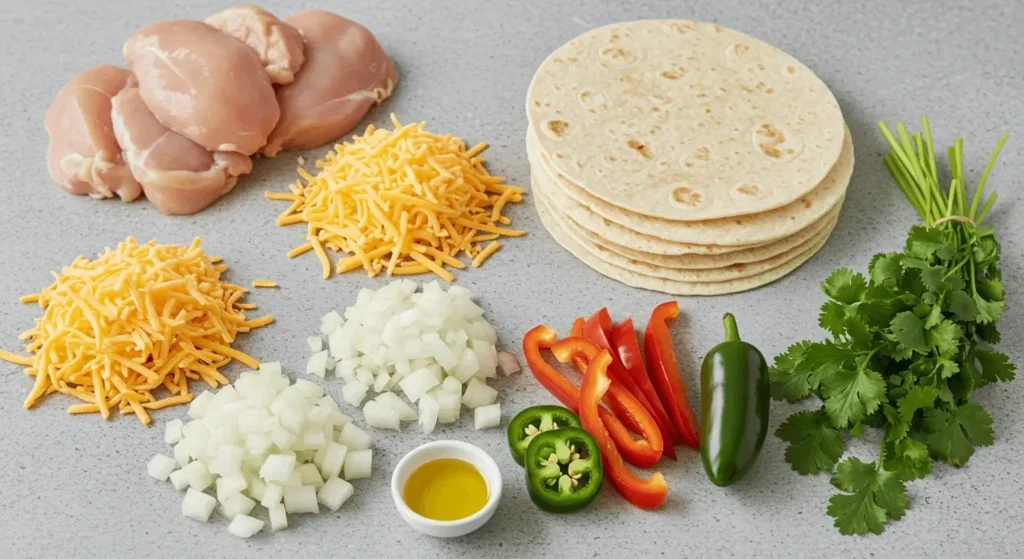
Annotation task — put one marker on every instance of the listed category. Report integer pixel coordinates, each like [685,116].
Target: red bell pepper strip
[645,494]
[543,337]
[661,362]
[628,348]
[642,453]
[579,361]
[599,330]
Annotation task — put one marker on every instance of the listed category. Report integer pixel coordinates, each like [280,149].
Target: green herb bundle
[910,344]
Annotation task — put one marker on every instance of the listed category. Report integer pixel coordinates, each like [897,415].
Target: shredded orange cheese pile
[137,318]
[404,201]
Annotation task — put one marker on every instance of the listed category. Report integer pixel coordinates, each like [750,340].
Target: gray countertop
[77,487]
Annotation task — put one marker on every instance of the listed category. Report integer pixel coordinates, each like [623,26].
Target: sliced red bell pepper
[645,494]
[577,332]
[599,329]
[642,453]
[627,346]
[543,337]
[661,363]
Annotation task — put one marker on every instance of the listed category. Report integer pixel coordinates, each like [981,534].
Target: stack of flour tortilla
[685,157]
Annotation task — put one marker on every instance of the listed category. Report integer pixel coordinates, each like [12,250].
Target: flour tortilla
[642,281]
[621,226]
[700,261]
[684,120]
[705,275]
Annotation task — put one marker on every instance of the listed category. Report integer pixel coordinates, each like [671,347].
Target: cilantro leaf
[934,317]
[897,428]
[963,306]
[791,379]
[814,445]
[908,330]
[826,357]
[927,242]
[918,398]
[955,434]
[845,286]
[873,497]
[988,311]
[908,458]
[992,289]
[833,318]
[945,337]
[852,394]
[886,269]
[995,366]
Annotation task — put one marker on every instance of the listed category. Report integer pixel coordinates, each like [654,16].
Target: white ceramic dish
[447,449]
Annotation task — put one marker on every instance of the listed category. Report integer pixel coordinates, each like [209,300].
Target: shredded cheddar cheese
[135,319]
[264,283]
[402,201]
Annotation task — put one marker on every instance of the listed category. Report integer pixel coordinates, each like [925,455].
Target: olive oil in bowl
[446,489]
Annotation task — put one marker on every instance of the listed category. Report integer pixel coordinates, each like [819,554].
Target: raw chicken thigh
[204,85]
[83,156]
[346,72]
[278,44]
[178,175]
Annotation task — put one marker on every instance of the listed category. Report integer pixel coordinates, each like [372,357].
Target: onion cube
[317,364]
[487,417]
[508,363]
[459,292]
[313,437]
[334,459]
[228,486]
[178,479]
[486,357]
[353,392]
[198,476]
[315,343]
[197,408]
[310,475]
[257,488]
[354,438]
[244,526]
[228,460]
[364,376]
[282,438]
[301,500]
[327,402]
[258,443]
[339,420]
[172,433]
[393,401]
[197,505]
[160,467]
[428,409]
[418,383]
[272,495]
[451,384]
[380,416]
[272,368]
[311,391]
[380,382]
[278,517]
[277,467]
[182,453]
[334,493]
[331,322]
[478,394]
[468,366]
[294,480]
[449,406]
[235,505]
[292,418]
[358,464]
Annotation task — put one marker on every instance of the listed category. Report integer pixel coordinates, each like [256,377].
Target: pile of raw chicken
[202,98]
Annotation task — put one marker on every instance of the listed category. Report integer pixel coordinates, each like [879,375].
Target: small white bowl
[447,449]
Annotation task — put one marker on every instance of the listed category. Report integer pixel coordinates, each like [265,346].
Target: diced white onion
[172,433]
[478,394]
[380,415]
[508,363]
[244,526]
[334,493]
[428,410]
[393,401]
[487,417]
[197,505]
[301,500]
[358,464]
[354,438]
[178,479]
[278,517]
[316,343]
[235,505]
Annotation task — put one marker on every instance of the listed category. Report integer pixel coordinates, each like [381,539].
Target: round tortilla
[704,275]
[634,279]
[623,227]
[700,261]
[684,120]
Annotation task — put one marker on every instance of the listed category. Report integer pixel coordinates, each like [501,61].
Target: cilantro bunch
[910,342]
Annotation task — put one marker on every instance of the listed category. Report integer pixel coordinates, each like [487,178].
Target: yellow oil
[446,489]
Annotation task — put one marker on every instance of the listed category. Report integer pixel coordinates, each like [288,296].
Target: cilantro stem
[984,177]
[881,450]
[955,268]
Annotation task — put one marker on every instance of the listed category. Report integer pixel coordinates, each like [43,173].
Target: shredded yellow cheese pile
[405,200]
[135,319]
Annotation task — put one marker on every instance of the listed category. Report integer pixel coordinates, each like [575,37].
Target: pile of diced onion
[434,346]
[263,441]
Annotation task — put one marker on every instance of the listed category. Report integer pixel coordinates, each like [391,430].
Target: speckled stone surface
[76,487]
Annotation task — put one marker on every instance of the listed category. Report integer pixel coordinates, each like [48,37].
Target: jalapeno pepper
[734,403]
[529,423]
[661,363]
[645,494]
[563,469]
